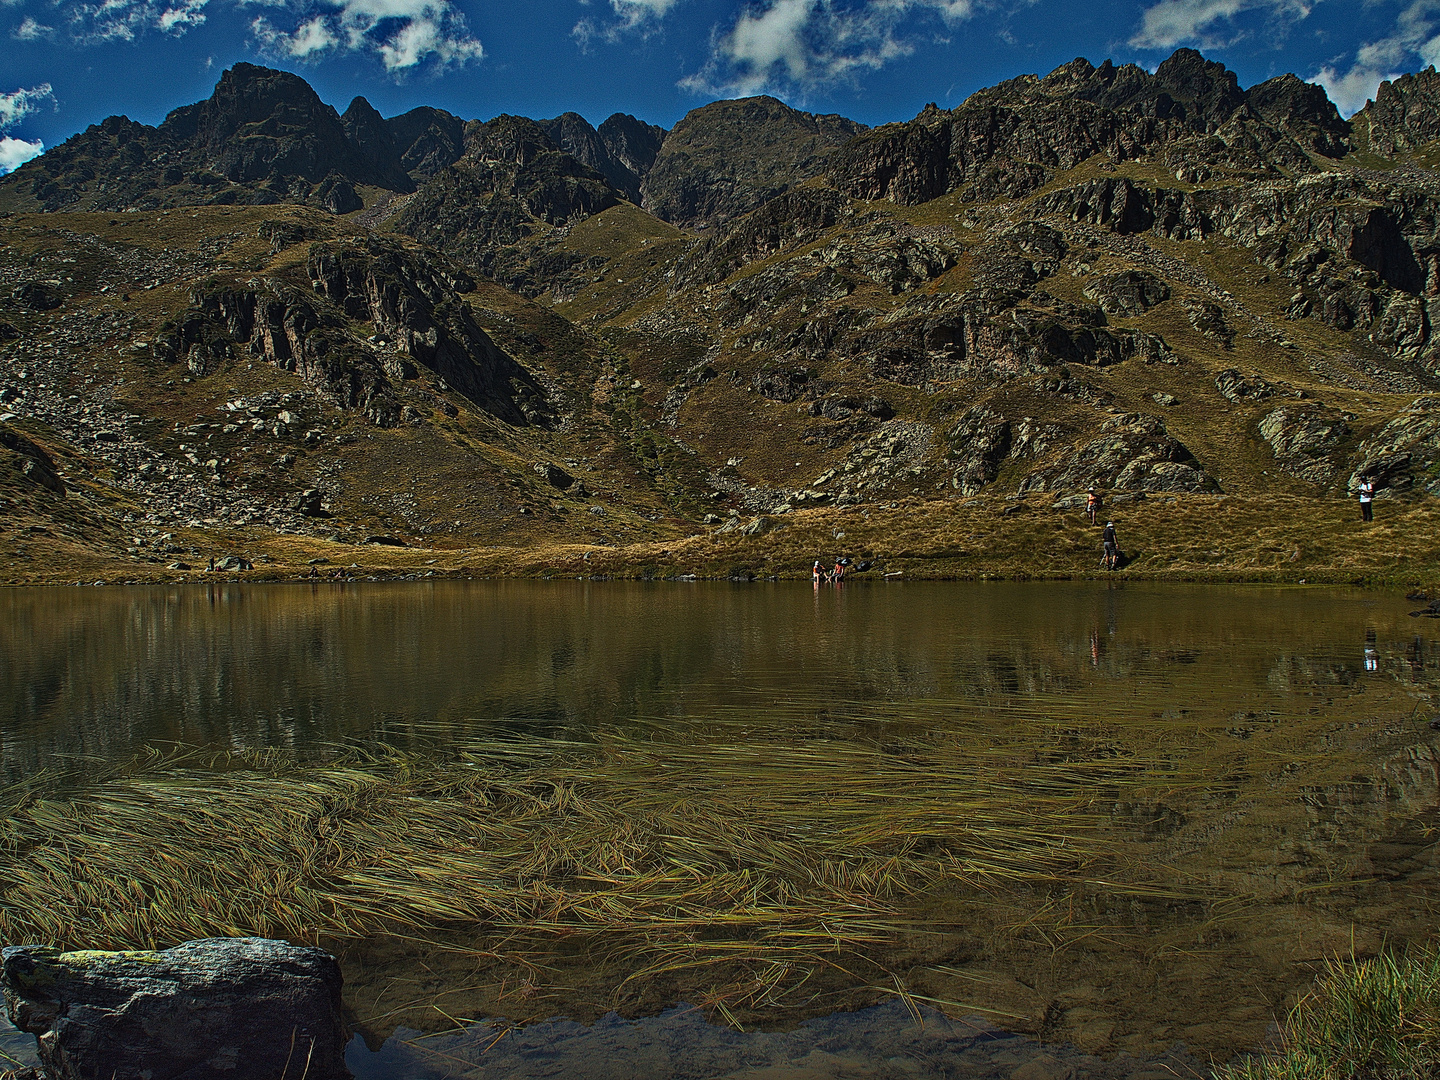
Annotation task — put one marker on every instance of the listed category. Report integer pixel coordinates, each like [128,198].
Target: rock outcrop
[1304,439]
[412,315]
[511,183]
[1404,115]
[1130,292]
[242,1008]
[727,158]
[1133,452]
[622,151]
[1404,454]
[30,461]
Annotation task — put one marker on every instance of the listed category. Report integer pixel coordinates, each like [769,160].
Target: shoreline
[1182,539]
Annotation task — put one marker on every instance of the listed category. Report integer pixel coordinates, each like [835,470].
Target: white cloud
[1201,22]
[805,44]
[176,20]
[1351,90]
[14,107]
[402,33]
[630,16]
[15,152]
[30,30]
[1415,42]
[19,104]
[310,37]
[124,20]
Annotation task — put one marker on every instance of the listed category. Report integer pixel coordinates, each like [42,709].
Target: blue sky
[65,64]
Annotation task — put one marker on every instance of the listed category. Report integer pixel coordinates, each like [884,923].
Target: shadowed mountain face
[622,151]
[1405,114]
[427,140]
[1161,284]
[729,157]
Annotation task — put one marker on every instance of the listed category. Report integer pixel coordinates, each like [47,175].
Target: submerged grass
[660,856]
[1377,1019]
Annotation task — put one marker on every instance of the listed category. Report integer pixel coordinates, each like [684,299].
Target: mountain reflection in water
[104,672]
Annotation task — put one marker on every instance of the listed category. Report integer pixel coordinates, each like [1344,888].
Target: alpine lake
[723,824]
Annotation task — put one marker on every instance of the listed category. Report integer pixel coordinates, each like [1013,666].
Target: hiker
[211,568]
[1112,546]
[1367,496]
[1092,506]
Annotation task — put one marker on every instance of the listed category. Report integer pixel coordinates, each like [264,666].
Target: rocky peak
[1209,90]
[261,123]
[370,135]
[1186,86]
[1405,114]
[507,140]
[726,158]
[1303,110]
[572,133]
[1127,87]
[427,140]
[251,100]
[631,142]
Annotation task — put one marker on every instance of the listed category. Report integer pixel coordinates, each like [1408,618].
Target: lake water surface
[103,672]
[1292,723]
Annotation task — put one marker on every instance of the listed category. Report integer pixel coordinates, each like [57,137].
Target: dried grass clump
[668,855]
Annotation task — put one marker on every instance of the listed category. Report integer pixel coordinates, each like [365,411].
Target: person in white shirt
[1367,496]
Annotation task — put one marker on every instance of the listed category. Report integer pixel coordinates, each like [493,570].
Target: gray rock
[1303,439]
[1133,452]
[309,502]
[1131,292]
[34,464]
[1210,320]
[554,475]
[979,443]
[1404,453]
[1237,388]
[760,526]
[241,1008]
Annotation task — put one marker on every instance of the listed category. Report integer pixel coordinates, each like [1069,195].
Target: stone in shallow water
[239,1008]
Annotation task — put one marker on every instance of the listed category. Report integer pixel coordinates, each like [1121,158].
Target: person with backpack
[1112,547]
[1367,497]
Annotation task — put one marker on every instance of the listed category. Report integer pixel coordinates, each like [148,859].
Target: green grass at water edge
[1377,1019]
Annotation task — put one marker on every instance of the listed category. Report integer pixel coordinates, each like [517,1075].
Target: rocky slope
[521,331]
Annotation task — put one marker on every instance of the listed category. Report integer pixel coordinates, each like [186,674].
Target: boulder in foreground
[238,1008]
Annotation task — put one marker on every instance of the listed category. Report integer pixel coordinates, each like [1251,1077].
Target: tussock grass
[667,856]
[1377,1020]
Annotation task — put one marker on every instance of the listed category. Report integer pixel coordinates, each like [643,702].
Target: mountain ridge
[1163,285]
